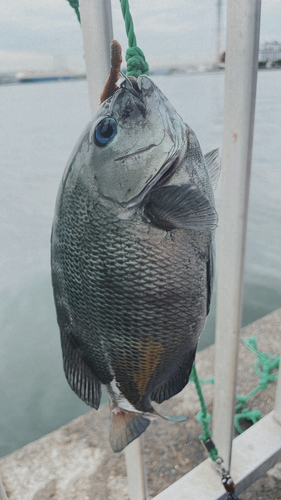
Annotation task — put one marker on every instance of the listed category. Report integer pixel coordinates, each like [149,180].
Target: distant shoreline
[28,77]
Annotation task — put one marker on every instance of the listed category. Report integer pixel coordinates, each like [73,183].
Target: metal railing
[243,21]
[242,47]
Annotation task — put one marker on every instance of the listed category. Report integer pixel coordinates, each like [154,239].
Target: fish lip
[171,164]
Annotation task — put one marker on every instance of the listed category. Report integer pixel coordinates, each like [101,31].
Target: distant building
[8,78]
[270,52]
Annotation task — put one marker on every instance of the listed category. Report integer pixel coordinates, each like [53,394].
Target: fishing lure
[116,61]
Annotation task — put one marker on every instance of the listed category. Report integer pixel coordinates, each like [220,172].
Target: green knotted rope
[252,415]
[136,62]
[263,366]
[267,362]
[75,5]
[203,417]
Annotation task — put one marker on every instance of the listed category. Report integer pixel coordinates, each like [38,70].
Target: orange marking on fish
[150,356]
[116,60]
[138,362]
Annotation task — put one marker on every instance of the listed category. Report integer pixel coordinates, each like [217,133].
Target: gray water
[39,126]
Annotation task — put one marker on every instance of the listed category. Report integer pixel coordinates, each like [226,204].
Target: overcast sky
[43,34]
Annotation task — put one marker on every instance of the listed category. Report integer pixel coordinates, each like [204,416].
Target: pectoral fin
[180,207]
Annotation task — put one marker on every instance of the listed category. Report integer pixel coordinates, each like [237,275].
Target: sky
[45,34]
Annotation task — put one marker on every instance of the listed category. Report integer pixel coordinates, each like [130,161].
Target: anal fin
[176,384]
[79,375]
[125,427]
[169,389]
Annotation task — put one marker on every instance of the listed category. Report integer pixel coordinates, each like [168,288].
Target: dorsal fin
[214,166]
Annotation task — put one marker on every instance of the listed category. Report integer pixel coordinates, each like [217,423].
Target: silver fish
[132,255]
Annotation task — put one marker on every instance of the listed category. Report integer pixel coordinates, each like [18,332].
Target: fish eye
[105,131]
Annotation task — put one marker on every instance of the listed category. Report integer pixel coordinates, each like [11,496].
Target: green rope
[252,415]
[210,380]
[136,62]
[267,362]
[75,5]
[203,417]
[264,365]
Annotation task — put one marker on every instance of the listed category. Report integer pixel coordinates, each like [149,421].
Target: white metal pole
[277,406]
[218,31]
[136,470]
[97,31]
[96,21]
[3,495]
[242,45]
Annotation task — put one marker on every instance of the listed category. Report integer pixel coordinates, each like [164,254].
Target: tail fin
[125,427]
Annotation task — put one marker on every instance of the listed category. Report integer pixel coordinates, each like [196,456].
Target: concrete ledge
[254,452]
[75,462]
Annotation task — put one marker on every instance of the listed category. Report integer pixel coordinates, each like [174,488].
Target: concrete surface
[76,461]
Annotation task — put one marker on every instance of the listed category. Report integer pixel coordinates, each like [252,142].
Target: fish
[132,255]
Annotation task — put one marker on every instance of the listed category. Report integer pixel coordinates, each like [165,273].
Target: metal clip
[228,483]
[221,470]
[208,445]
[226,480]
[232,496]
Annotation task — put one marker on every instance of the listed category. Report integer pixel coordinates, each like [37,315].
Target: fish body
[132,255]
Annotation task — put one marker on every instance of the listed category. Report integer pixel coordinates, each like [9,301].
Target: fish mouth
[135,153]
[161,178]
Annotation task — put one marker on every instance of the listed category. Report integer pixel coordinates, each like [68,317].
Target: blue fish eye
[105,131]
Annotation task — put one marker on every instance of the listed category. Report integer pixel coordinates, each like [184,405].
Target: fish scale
[115,312]
[132,277]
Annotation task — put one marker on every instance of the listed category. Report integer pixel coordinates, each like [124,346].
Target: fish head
[135,137]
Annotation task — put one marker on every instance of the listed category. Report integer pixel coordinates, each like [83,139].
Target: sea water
[39,127]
